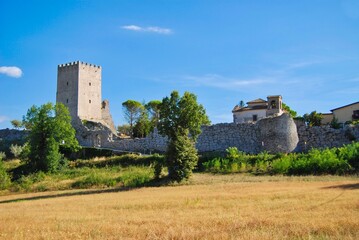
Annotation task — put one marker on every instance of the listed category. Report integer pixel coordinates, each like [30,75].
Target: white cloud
[11,71]
[214,80]
[3,118]
[153,29]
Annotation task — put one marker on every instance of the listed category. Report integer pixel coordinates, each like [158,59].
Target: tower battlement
[77,63]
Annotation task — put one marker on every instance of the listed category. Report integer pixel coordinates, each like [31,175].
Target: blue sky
[223,51]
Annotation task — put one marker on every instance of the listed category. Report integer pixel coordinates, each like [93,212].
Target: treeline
[142,118]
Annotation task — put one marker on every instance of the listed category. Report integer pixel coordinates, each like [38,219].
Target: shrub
[136,177]
[95,179]
[16,150]
[282,165]
[319,162]
[2,155]
[181,158]
[4,177]
[350,153]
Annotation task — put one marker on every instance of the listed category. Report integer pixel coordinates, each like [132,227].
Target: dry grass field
[209,207]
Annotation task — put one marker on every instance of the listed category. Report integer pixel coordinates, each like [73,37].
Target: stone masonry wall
[271,134]
[325,136]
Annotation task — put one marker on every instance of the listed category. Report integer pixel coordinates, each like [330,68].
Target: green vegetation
[153,108]
[343,160]
[132,110]
[50,130]
[136,171]
[16,150]
[17,124]
[313,119]
[287,109]
[4,177]
[120,171]
[141,118]
[181,119]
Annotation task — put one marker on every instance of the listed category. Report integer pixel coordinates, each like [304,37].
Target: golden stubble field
[210,207]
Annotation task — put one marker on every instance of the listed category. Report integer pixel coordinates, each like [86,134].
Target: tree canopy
[153,108]
[180,120]
[287,109]
[313,119]
[132,111]
[17,124]
[181,115]
[50,130]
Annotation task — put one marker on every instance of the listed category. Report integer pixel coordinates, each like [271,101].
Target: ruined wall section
[106,116]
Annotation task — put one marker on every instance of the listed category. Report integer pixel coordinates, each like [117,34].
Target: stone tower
[274,107]
[79,88]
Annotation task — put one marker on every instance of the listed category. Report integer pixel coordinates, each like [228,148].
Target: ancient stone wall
[277,134]
[106,116]
[325,136]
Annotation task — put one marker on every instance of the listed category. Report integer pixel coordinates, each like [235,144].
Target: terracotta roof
[258,100]
[242,109]
[343,106]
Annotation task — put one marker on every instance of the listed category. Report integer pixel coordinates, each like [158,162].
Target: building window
[67,100]
[255,117]
[67,83]
[273,104]
[89,101]
[89,84]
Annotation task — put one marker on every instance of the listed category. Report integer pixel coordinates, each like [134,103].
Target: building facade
[347,113]
[258,109]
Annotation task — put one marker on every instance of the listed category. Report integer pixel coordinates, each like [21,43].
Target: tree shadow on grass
[352,186]
[165,181]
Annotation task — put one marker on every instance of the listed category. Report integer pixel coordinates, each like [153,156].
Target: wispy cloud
[3,118]
[11,71]
[215,80]
[152,29]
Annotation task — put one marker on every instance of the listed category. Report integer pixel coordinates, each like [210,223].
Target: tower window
[89,84]
[255,117]
[67,83]
[89,101]
[67,100]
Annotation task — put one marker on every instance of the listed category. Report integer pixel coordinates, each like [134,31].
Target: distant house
[346,113]
[258,109]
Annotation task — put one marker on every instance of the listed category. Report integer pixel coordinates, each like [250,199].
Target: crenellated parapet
[76,64]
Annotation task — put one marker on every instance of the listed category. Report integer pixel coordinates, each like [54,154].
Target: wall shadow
[352,186]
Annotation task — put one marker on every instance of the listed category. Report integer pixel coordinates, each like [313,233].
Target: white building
[258,109]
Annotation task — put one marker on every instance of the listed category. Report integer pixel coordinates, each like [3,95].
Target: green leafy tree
[51,131]
[313,119]
[153,108]
[143,125]
[180,120]
[132,110]
[17,124]
[287,109]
